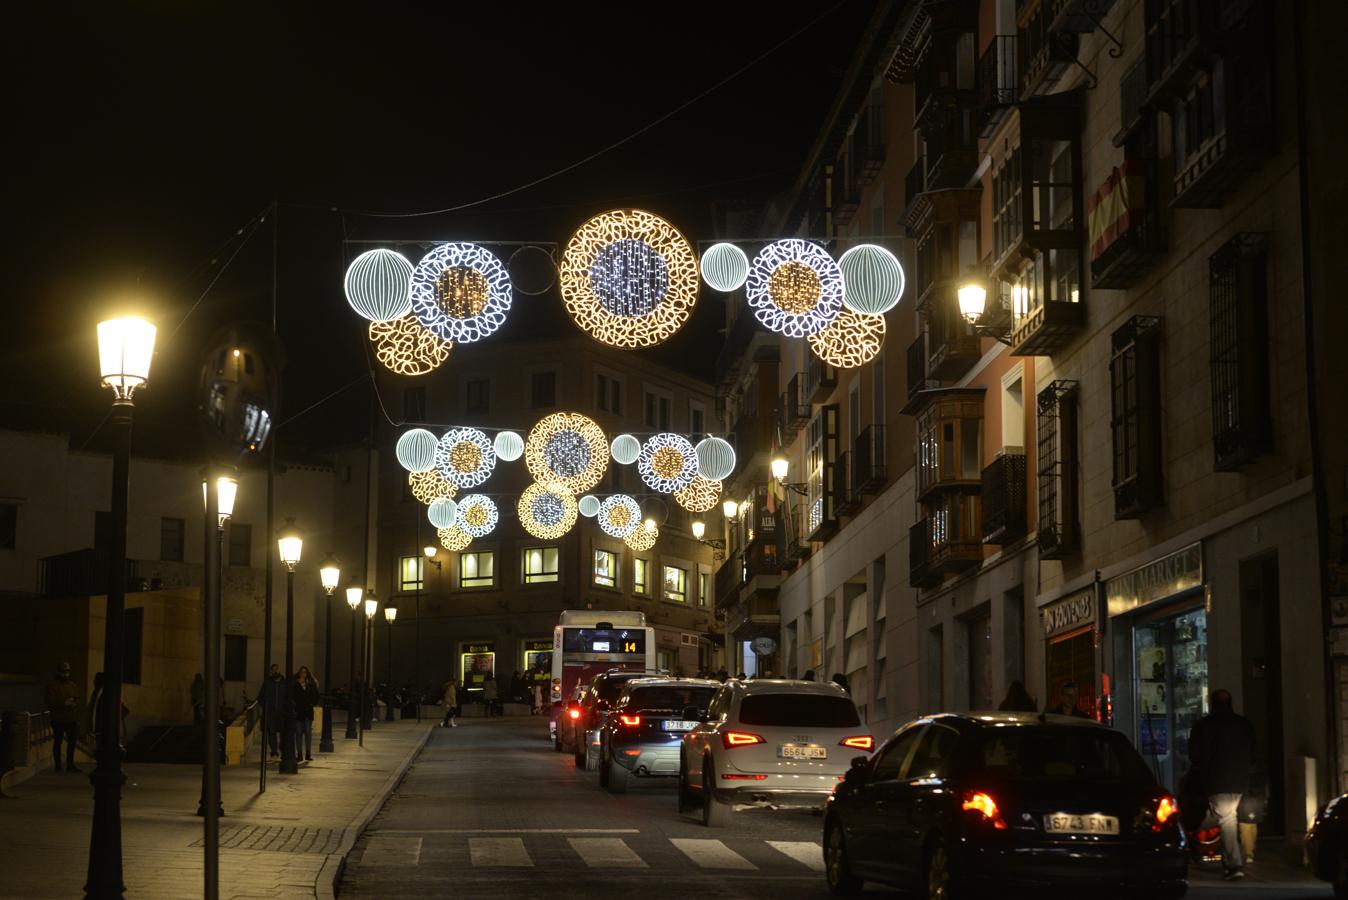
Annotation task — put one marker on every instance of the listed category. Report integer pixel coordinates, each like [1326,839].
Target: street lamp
[699,528]
[289,542]
[329,574]
[730,509]
[125,349]
[780,467]
[366,719]
[226,491]
[390,613]
[973,302]
[431,553]
[354,593]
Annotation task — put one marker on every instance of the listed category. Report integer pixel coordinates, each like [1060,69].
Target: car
[984,804]
[594,705]
[769,742]
[641,738]
[1327,844]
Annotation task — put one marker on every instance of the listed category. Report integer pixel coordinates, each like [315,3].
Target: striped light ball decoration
[715,458]
[379,285]
[442,512]
[416,450]
[724,267]
[872,279]
[625,449]
[509,446]
[589,506]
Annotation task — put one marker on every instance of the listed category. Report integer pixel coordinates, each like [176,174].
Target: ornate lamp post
[354,593]
[366,719]
[330,573]
[390,613]
[289,543]
[431,552]
[226,491]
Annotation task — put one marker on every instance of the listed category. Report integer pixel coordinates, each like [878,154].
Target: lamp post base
[219,800]
[325,740]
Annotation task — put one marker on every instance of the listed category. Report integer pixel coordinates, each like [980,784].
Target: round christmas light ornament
[442,512]
[533,270]
[460,292]
[509,446]
[377,285]
[431,485]
[454,538]
[629,278]
[715,458]
[405,348]
[667,463]
[465,456]
[724,267]
[567,448]
[416,450]
[852,340]
[626,449]
[589,506]
[794,287]
[477,515]
[872,279]
[700,496]
[619,515]
[547,511]
[643,538]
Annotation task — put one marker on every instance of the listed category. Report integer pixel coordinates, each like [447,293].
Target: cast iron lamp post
[289,543]
[367,646]
[330,573]
[354,593]
[390,613]
[431,552]
[226,491]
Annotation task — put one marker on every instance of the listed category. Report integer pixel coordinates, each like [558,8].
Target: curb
[326,884]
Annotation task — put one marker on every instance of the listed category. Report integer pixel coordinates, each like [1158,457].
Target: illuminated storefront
[477,663]
[1070,645]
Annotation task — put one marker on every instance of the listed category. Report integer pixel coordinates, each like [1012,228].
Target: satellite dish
[764,646]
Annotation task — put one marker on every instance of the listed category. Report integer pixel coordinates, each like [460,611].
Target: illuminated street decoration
[509,446]
[416,450]
[643,538]
[667,463]
[724,267]
[701,495]
[442,512]
[568,448]
[465,456]
[816,516]
[629,278]
[460,292]
[794,287]
[547,511]
[619,515]
[626,449]
[377,285]
[872,279]
[405,348]
[589,506]
[431,485]
[454,538]
[477,515]
[715,458]
[851,340]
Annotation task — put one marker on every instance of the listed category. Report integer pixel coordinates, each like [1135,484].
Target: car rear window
[671,697]
[610,688]
[1061,754]
[803,710]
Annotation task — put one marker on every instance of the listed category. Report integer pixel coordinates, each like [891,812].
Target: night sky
[147,134]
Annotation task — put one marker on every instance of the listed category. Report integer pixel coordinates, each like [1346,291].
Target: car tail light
[860,742]
[733,739]
[1166,809]
[573,713]
[983,805]
[630,720]
[745,777]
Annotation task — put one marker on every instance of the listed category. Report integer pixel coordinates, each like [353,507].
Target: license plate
[678,725]
[1067,823]
[791,752]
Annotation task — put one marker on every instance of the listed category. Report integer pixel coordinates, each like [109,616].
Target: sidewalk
[287,842]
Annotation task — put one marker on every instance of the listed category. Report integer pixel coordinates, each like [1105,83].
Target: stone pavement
[287,842]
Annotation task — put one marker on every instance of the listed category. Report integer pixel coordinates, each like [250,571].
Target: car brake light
[733,739]
[573,713]
[860,742]
[630,720]
[729,777]
[1166,809]
[984,805]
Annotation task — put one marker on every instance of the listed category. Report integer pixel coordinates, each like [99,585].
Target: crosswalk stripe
[806,852]
[392,851]
[486,851]
[606,853]
[711,854]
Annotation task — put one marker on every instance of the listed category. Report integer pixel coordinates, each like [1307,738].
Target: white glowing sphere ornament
[724,267]
[715,458]
[625,449]
[378,285]
[442,512]
[416,450]
[872,279]
[509,446]
[589,506]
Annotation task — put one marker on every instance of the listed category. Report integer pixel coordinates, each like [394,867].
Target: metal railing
[868,460]
[80,573]
[1004,519]
[998,81]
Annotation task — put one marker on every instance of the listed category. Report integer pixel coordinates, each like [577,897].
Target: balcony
[847,499]
[917,372]
[919,549]
[846,193]
[998,84]
[1125,227]
[1223,132]
[867,145]
[826,486]
[869,461]
[797,545]
[1047,328]
[793,409]
[932,554]
[729,579]
[1004,519]
[1080,16]
[949,442]
[820,380]
[952,347]
[82,573]
[817,210]
[950,168]
[1045,53]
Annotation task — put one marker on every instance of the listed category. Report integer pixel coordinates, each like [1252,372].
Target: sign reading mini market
[1165,577]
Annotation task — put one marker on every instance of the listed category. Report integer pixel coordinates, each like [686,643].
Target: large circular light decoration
[454,538]
[547,511]
[377,285]
[619,515]
[642,539]
[626,449]
[872,279]
[724,267]
[851,340]
[568,448]
[667,463]
[589,506]
[794,287]
[715,458]
[477,515]
[460,292]
[700,496]
[442,512]
[465,456]
[629,278]
[431,485]
[416,450]
[405,348]
[509,446]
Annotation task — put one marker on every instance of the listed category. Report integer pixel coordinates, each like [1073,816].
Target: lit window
[410,571]
[605,568]
[639,579]
[676,584]
[702,588]
[540,565]
[477,569]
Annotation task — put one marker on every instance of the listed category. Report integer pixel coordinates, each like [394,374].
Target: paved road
[489,810]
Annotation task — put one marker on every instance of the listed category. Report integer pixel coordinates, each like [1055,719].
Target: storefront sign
[1069,614]
[477,664]
[1166,577]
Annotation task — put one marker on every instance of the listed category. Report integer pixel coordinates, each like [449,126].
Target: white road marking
[606,853]
[392,851]
[510,852]
[805,852]
[711,854]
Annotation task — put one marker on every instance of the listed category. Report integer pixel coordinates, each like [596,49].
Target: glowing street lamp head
[290,542]
[730,509]
[780,467]
[371,604]
[973,298]
[430,550]
[329,574]
[354,593]
[125,349]
[699,528]
[227,490]
[390,612]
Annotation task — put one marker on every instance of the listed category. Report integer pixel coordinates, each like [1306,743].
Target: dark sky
[147,133]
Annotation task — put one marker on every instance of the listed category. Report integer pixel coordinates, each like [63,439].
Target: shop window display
[1171,686]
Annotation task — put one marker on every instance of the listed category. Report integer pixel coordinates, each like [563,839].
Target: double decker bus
[586,642]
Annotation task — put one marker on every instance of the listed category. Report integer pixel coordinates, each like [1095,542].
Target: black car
[643,735]
[982,804]
[1327,844]
[592,708]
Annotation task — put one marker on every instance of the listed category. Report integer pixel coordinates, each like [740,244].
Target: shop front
[477,663]
[537,654]
[1070,652]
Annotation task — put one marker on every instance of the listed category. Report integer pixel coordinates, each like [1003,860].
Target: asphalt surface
[490,810]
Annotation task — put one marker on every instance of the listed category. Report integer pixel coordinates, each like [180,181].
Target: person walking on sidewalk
[1221,751]
[63,700]
[489,694]
[304,695]
[451,704]
[275,695]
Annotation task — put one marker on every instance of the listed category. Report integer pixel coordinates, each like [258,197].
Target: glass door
[1170,683]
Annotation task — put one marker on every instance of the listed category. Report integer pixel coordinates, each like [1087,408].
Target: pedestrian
[808,676]
[451,698]
[304,694]
[1221,751]
[516,687]
[198,693]
[63,701]
[538,698]
[274,696]
[1068,705]
[1018,699]
[840,680]
[489,694]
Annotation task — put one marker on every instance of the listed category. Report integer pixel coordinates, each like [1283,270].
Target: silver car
[640,738]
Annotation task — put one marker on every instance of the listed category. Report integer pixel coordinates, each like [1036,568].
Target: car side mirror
[859,772]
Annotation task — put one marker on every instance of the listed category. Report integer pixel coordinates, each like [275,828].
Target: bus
[586,642]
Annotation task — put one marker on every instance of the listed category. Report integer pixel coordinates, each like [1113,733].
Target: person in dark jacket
[63,702]
[1018,699]
[1068,705]
[274,694]
[1221,751]
[840,680]
[304,694]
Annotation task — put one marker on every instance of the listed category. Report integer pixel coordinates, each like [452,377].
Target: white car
[770,742]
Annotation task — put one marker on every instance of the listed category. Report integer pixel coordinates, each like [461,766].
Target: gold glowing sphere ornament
[547,511]
[629,278]
[460,292]
[643,538]
[465,456]
[567,448]
[701,495]
[668,462]
[454,538]
[477,515]
[619,515]
[405,348]
[851,340]
[431,485]
[794,287]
